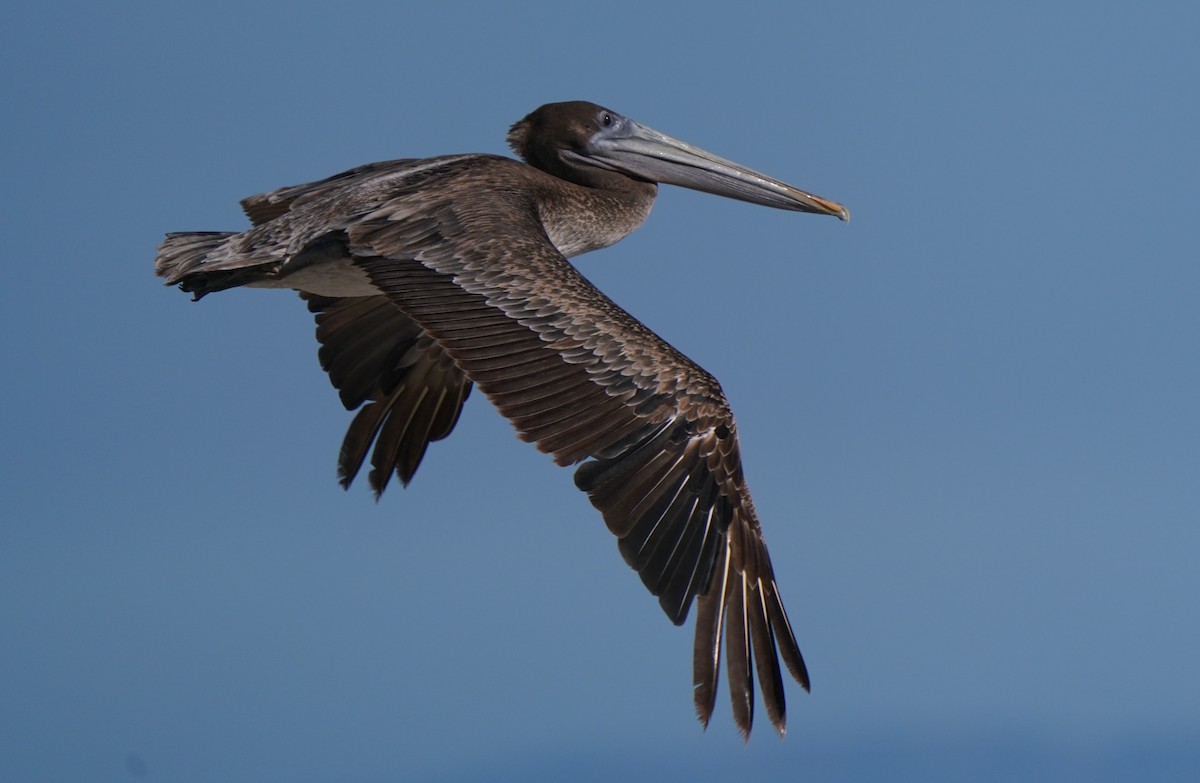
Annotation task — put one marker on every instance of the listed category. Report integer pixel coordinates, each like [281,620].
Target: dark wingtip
[704,697]
[675,613]
[379,483]
[345,471]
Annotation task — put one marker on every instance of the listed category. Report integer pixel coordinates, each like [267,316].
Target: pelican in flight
[427,277]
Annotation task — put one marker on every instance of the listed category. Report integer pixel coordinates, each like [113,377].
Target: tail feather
[186,259]
[181,253]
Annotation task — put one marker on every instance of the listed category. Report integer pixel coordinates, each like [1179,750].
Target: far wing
[410,391]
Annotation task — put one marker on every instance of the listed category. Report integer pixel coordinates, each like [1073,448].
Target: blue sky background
[969,417]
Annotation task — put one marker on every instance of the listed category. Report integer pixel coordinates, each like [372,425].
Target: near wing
[582,379]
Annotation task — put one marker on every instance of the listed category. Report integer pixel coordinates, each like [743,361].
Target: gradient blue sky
[969,417]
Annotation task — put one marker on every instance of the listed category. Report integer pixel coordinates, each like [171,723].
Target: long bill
[648,154]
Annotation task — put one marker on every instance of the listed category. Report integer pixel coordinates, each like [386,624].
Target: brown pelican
[428,276]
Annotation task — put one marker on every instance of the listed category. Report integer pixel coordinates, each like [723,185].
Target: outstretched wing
[586,382]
